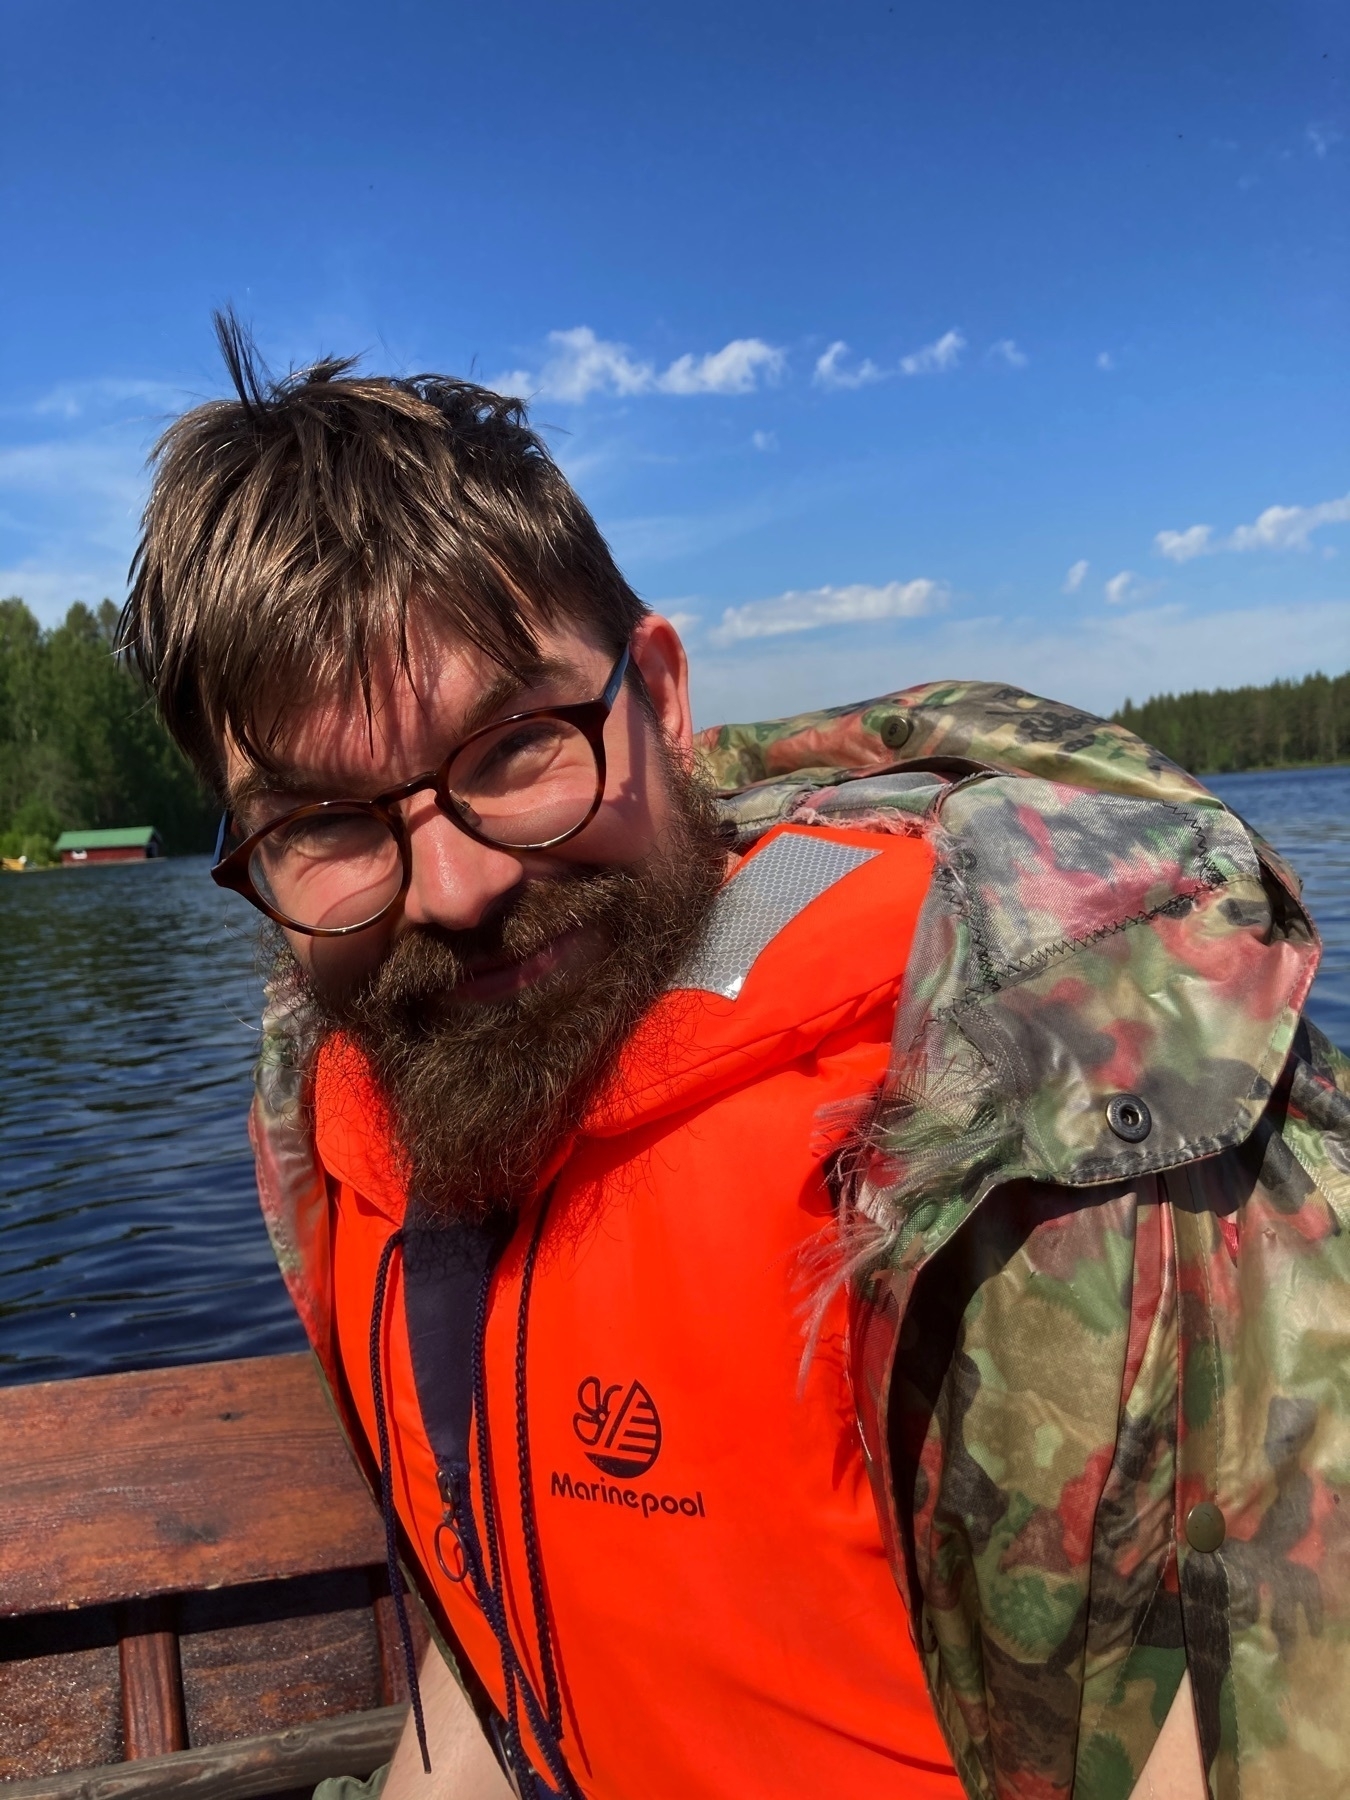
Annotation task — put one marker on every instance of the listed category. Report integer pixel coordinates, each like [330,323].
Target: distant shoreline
[1289,768]
[1249,730]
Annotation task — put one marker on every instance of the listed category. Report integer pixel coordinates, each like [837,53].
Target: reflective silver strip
[761,898]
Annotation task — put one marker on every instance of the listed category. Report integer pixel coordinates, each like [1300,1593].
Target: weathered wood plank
[153,1721]
[259,1659]
[167,1480]
[59,1694]
[354,1745]
[393,1665]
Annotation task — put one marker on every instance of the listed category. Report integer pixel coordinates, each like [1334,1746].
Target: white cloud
[682,621]
[936,358]
[1006,350]
[1105,361]
[833,369]
[583,364]
[101,468]
[519,383]
[1181,546]
[1073,579]
[807,609]
[764,440]
[1091,659]
[1322,139]
[831,373]
[735,369]
[644,538]
[1277,528]
[1289,527]
[1120,587]
[68,512]
[75,399]
[50,592]
[70,498]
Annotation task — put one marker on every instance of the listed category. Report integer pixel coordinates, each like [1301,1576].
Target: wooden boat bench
[192,1589]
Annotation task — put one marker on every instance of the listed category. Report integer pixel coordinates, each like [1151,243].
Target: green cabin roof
[131,837]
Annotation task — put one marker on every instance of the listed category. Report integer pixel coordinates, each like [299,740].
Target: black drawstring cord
[546,1729]
[529,1521]
[490,1590]
[387,1494]
[489,1583]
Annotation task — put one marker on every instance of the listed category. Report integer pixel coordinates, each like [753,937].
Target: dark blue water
[1305,813]
[129,1226]
[129,1229]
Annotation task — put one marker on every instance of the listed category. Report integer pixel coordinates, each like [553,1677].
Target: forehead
[447,689]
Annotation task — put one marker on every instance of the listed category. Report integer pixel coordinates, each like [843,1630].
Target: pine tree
[1288,722]
[80,746]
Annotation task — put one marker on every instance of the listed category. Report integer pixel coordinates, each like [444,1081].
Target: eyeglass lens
[334,869]
[524,784]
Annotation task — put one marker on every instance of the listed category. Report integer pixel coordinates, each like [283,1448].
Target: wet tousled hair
[296,531]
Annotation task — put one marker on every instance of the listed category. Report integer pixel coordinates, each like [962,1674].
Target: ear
[656,649]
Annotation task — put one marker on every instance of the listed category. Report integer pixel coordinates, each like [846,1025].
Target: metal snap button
[895,730]
[1205,1527]
[1129,1118]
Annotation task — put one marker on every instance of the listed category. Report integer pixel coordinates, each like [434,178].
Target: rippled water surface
[129,1227]
[1305,813]
[129,1230]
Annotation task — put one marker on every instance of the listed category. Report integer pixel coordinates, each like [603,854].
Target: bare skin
[463,1766]
[1174,1771]
[331,753]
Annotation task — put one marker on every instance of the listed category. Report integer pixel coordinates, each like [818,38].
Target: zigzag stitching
[996,976]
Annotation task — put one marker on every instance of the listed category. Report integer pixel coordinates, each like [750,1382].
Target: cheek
[636,805]
[620,833]
[336,965]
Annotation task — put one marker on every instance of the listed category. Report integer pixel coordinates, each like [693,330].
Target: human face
[333,751]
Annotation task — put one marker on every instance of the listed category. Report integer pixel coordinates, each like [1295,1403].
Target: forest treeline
[1286,722]
[80,746]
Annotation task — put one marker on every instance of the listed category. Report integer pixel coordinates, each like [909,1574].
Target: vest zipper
[483,1573]
[546,1721]
[387,1494]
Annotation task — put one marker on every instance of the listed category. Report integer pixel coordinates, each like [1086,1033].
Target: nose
[456,881]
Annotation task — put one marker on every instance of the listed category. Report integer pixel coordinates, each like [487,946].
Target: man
[838,1285]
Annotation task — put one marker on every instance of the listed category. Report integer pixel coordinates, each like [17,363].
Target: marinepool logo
[621,1429]
[624,1436]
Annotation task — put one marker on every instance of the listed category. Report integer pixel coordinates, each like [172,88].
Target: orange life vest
[710,1612]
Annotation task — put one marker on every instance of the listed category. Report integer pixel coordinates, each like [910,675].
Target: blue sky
[887,342]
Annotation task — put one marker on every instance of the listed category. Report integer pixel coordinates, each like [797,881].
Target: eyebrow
[493,700]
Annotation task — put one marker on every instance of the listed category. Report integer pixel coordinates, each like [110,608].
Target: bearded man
[828,1239]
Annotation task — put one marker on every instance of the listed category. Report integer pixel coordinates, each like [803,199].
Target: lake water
[129,1230]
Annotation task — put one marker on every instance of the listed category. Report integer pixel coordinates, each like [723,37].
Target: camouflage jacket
[1093,1233]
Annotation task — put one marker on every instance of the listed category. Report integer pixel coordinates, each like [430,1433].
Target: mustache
[415,984]
[482,1092]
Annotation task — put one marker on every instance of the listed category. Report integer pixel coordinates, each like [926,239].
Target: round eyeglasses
[528,782]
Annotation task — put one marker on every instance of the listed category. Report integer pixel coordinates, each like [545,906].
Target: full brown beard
[482,1095]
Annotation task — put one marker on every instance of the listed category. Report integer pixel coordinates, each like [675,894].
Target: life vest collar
[797,944]
[800,940]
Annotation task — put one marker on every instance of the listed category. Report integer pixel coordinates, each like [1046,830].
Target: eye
[519,754]
[321,836]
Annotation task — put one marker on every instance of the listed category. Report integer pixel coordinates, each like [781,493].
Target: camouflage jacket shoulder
[1096,1242]
[766,772]
[1095,1238]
